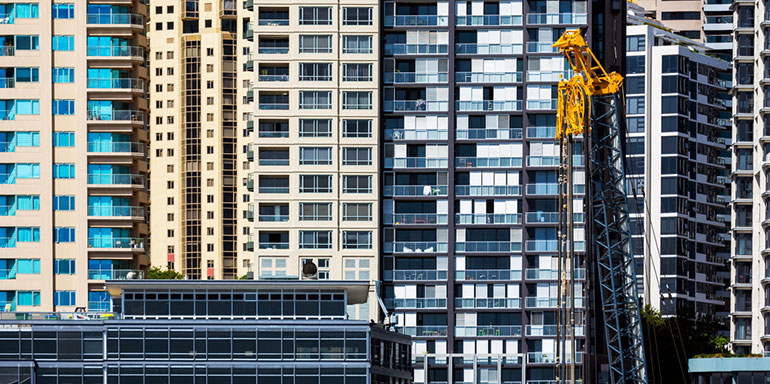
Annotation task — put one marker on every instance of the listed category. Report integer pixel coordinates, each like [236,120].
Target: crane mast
[588,106]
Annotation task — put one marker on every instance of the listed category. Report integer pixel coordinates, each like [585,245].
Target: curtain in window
[31,298]
[28,234]
[28,266]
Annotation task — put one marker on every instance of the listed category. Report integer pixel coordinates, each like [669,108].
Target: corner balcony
[134,149]
[115,20]
[488,105]
[116,212]
[487,20]
[487,274]
[488,330]
[116,117]
[134,181]
[414,219]
[416,21]
[488,303]
[488,190]
[414,190]
[116,53]
[116,244]
[115,274]
[488,49]
[120,86]
[487,218]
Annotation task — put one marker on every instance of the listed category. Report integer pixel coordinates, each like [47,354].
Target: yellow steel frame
[589,79]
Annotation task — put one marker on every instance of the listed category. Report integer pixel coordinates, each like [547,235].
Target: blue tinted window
[28,107]
[27,11]
[27,74]
[64,171]
[63,11]
[64,234]
[63,43]
[64,139]
[64,266]
[63,75]
[28,298]
[63,107]
[27,42]
[64,298]
[28,266]
[64,203]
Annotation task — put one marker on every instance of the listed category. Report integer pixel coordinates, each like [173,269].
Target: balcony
[115,244]
[115,274]
[488,49]
[414,190]
[550,330]
[116,19]
[487,20]
[267,78]
[116,116]
[541,105]
[550,358]
[7,51]
[484,77]
[416,303]
[415,105]
[415,275]
[488,190]
[488,330]
[551,245]
[539,47]
[488,105]
[273,245]
[487,274]
[484,303]
[416,246]
[488,246]
[416,134]
[415,162]
[414,78]
[551,217]
[120,52]
[273,218]
[134,148]
[414,218]
[488,133]
[136,213]
[487,162]
[117,180]
[549,302]
[552,274]
[548,76]
[423,330]
[416,21]
[416,49]
[487,218]
[556,18]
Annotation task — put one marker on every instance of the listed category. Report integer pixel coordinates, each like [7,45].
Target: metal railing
[488,133]
[488,246]
[415,275]
[415,190]
[116,211]
[115,51]
[116,179]
[416,20]
[124,83]
[423,330]
[116,242]
[115,274]
[115,18]
[490,330]
[488,303]
[116,115]
[487,274]
[415,218]
[487,20]
[488,190]
[487,218]
[26,316]
[116,147]
[487,162]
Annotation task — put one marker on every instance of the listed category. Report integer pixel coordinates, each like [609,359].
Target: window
[279,184]
[28,107]
[63,171]
[63,75]
[63,11]
[27,10]
[356,156]
[315,43]
[315,100]
[315,128]
[315,155]
[635,43]
[322,265]
[356,268]
[356,184]
[635,105]
[64,234]
[63,43]
[64,107]
[64,298]
[64,203]
[28,202]
[356,211]
[27,74]
[315,71]
[315,16]
[29,298]
[356,240]
[634,84]
[27,42]
[272,266]
[680,16]
[357,44]
[357,100]
[357,72]
[315,211]
[28,234]
[356,16]
[356,128]
[315,183]
[28,171]
[64,266]
[28,266]
[315,239]
[634,64]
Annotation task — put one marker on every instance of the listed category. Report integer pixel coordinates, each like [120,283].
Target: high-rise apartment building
[199,136]
[750,294]
[470,187]
[678,128]
[72,152]
[316,116]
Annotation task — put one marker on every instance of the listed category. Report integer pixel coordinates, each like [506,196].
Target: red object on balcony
[209,271]
[170,258]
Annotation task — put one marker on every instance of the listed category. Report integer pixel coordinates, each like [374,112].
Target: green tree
[163,274]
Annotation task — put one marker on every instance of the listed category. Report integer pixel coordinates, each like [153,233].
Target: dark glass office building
[223,332]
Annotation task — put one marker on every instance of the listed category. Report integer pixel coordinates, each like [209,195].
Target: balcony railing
[415,49]
[115,18]
[488,330]
[115,274]
[422,302]
[274,22]
[548,76]
[273,245]
[125,83]
[549,302]
[415,190]
[487,162]
[415,218]
[274,218]
[415,162]
[484,77]
[273,78]
[488,218]
[116,211]
[416,246]
[552,274]
[550,330]
[551,217]
[541,132]
[541,104]
[116,179]
[539,47]
[416,20]
[488,49]
[488,133]
[416,105]
[7,82]
[116,115]
[115,147]
[415,275]
[487,20]
[415,78]
[274,50]
[484,303]
[557,18]
[423,330]
[416,134]
[115,51]
[488,246]
[274,106]
[488,105]
[7,51]
[487,274]
[116,242]
[488,190]
[551,245]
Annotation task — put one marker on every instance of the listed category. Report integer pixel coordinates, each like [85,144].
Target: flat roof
[358,291]
[729,364]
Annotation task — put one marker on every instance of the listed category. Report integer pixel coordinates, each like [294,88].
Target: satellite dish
[309,270]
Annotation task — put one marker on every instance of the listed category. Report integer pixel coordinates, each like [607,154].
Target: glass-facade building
[469,184]
[192,332]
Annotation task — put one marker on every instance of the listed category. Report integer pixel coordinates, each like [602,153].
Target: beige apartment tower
[199,137]
[73,166]
[315,180]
